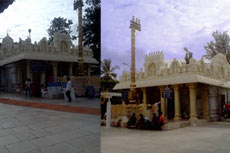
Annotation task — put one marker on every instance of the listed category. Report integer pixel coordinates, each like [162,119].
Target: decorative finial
[7,32]
[29,30]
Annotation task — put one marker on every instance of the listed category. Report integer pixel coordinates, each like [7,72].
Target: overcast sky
[35,15]
[167,25]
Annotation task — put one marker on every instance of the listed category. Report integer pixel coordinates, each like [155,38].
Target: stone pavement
[211,138]
[32,130]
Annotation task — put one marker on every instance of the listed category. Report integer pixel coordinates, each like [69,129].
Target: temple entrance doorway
[36,81]
[184,102]
[153,95]
[63,69]
[170,107]
[49,77]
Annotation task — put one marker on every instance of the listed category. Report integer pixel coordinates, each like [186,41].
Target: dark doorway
[49,73]
[184,101]
[63,69]
[170,107]
[153,95]
[36,84]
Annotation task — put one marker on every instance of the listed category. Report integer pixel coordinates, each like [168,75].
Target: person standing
[68,89]
[28,86]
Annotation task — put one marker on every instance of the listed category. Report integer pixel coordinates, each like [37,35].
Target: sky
[166,25]
[35,15]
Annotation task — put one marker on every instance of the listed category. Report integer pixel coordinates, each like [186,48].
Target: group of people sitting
[145,123]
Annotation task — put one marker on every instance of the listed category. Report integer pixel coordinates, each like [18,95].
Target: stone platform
[170,125]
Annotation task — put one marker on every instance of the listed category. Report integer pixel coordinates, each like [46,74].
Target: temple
[187,89]
[41,62]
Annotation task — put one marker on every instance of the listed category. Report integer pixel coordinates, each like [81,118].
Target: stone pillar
[80,38]
[192,96]
[43,78]
[144,96]
[55,64]
[20,74]
[213,103]
[133,72]
[134,26]
[177,103]
[205,105]
[89,69]
[70,69]
[28,69]
[162,102]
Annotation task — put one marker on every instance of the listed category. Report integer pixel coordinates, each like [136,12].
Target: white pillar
[55,64]
[70,69]
[43,78]
[20,74]
[89,69]
[144,96]
[177,115]
[192,95]
[28,69]
[213,103]
[108,114]
[163,106]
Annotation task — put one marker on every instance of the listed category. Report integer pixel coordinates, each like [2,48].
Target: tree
[219,45]
[107,71]
[59,24]
[91,27]
[4,4]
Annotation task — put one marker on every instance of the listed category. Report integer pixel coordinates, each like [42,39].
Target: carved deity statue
[188,55]
[63,46]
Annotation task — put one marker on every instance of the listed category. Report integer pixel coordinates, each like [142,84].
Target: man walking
[68,89]
[27,86]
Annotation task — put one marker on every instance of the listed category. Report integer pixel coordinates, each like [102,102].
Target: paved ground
[33,130]
[211,138]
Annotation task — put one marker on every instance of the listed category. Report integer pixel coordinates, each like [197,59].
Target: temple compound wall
[199,88]
[40,61]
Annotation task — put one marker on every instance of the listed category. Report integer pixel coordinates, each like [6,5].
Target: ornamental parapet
[156,67]
[61,45]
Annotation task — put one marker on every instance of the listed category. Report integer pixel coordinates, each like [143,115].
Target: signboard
[167,93]
[37,66]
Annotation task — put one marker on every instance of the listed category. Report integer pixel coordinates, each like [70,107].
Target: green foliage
[91,27]
[219,45]
[59,24]
[107,71]
[108,84]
